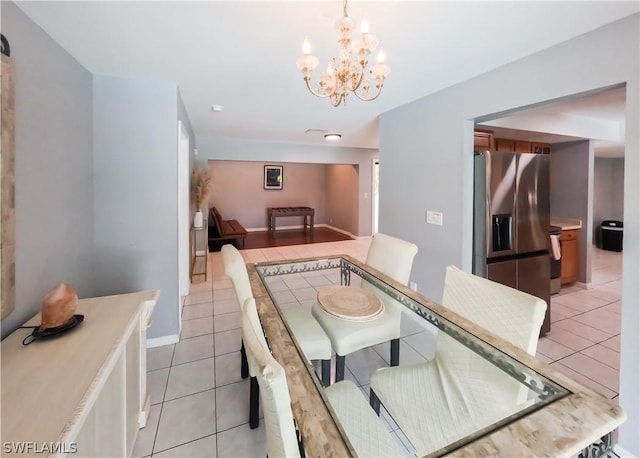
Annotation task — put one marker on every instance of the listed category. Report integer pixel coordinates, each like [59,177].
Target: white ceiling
[242,54]
[599,116]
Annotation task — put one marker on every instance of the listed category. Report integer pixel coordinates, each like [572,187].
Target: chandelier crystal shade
[348,73]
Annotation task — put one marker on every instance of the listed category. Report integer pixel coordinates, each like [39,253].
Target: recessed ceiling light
[217,108]
[332,137]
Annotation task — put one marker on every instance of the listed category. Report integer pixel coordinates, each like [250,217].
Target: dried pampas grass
[201,181]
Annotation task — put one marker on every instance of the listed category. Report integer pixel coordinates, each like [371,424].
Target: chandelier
[349,72]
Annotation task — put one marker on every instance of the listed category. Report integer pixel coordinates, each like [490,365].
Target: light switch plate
[434,218]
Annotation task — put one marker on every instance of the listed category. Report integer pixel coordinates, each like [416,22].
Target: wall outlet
[330,220]
[433,218]
[413,285]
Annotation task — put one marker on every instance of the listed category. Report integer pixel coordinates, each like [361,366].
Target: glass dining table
[512,403]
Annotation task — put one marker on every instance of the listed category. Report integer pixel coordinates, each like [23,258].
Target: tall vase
[197,219]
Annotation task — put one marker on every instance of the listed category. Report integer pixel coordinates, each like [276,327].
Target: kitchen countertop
[566,223]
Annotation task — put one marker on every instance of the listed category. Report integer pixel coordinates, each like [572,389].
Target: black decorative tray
[50,332]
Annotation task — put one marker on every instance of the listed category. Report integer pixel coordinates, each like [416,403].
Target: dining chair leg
[244,365]
[374,401]
[326,372]
[339,368]
[254,403]
[300,441]
[395,352]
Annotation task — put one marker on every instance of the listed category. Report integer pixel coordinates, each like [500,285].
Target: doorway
[585,135]
[183,216]
[588,166]
[375,192]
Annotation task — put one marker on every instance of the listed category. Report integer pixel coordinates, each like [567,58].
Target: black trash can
[611,235]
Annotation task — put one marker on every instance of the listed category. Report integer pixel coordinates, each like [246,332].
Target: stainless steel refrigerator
[511,222]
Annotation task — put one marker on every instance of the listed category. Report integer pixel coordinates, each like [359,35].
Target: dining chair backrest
[274,392]
[513,315]
[392,256]
[236,269]
[510,314]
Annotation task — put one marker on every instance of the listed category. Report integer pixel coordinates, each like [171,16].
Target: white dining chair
[393,257]
[458,391]
[310,336]
[363,427]
[236,269]
[276,403]
[365,430]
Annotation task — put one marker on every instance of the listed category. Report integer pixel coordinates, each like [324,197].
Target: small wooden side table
[198,240]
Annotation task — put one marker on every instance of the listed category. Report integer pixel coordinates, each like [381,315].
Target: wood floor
[265,239]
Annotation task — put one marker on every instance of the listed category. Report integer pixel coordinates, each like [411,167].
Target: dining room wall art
[273,177]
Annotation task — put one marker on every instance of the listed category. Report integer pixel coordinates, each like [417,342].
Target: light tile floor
[584,341]
[200,403]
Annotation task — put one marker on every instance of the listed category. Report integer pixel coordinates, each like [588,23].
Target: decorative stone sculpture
[58,306]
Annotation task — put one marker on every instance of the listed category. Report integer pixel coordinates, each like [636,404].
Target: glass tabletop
[450,387]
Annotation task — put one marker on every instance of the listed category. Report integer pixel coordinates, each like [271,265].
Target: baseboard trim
[265,229]
[622,453]
[342,231]
[164,340]
[295,226]
[300,226]
[258,229]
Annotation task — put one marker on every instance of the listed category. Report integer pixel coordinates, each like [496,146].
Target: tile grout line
[155,437]
[578,351]
[594,381]
[215,387]
[189,442]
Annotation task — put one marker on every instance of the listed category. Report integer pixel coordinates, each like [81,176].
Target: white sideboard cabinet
[82,393]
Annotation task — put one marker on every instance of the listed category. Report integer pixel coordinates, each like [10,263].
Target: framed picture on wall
[272,177]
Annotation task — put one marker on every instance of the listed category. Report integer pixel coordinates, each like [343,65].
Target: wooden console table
[306,212]
[83,393]
[198,241]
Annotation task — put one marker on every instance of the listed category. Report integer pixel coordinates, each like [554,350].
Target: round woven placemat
[350,303]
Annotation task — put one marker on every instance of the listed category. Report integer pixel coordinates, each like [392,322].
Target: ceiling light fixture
[348,74]
[332,137]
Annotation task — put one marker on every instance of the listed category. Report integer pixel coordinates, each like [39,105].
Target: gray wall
[426,149]
[184,117]
[135,198]
[608,192]
[342,197]
[246,150]
[54,167]
[571,193]
[238,191]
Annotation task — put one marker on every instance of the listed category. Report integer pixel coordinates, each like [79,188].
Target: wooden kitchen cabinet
[522,147]
[504,144]
[570,260]
[482,140]
[540,148]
